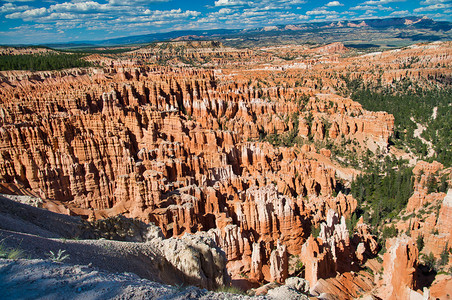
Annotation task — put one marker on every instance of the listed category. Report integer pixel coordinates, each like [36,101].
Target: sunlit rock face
[187,149]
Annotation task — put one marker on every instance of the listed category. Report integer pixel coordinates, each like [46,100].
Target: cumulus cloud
[133,2]
[225,11]
[433,7]
[430,2]
[370,7]
[9,8]
[78,10]
[98,20]
[28,14]
[320,12]
[293,2]
[334,3]
[400,13]
[229,2]
[80,7]
[174,13]
[377,2]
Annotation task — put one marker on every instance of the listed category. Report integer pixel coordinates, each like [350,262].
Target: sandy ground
[95,269]
[417,134]
[36,232]
[41,279]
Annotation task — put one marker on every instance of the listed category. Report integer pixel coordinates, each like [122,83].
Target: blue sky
[46,21]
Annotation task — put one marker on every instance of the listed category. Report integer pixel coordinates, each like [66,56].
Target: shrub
[59,256]
[351,224]
[430,261]
[315,231]
[444,257]
[389,232]
[15,254]
[229,289]
[420,242]
[10,253]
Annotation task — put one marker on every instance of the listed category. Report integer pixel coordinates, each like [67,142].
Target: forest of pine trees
[418,104]
[382,195]
[42,62]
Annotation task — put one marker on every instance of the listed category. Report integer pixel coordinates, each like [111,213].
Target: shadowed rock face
[183,148]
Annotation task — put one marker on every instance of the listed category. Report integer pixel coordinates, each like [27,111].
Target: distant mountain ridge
[421,28]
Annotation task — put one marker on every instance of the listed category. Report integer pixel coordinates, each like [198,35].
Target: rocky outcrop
[441,287]
[285,292]
[256,263]
[299,284]
[425,175]
[366,245]
[399,264]
[201,261]
[444,218]
[318,260]
[335,252]
[349,285]
[279,263]
[432,222]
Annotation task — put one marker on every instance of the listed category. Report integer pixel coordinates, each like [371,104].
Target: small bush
[420,242]
[315,231]
[430,261]
[230,289]
[389,232]
[10,253]
[59,256]
[3,251]
[444,257]
[15,254]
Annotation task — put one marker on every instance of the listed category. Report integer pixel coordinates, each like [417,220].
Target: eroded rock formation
[400,263]
[169,146]
[192,149]
[334,251]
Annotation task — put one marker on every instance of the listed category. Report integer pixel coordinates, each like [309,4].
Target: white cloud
[80,7]
[377,2]
[94,16]
[133,2]
[334,3]
[28,14]
[430,2]
[229,2]
[370,7]
[400,13]
[9,7]
[293,2]
[320,12]
[432,7]
[225,11]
